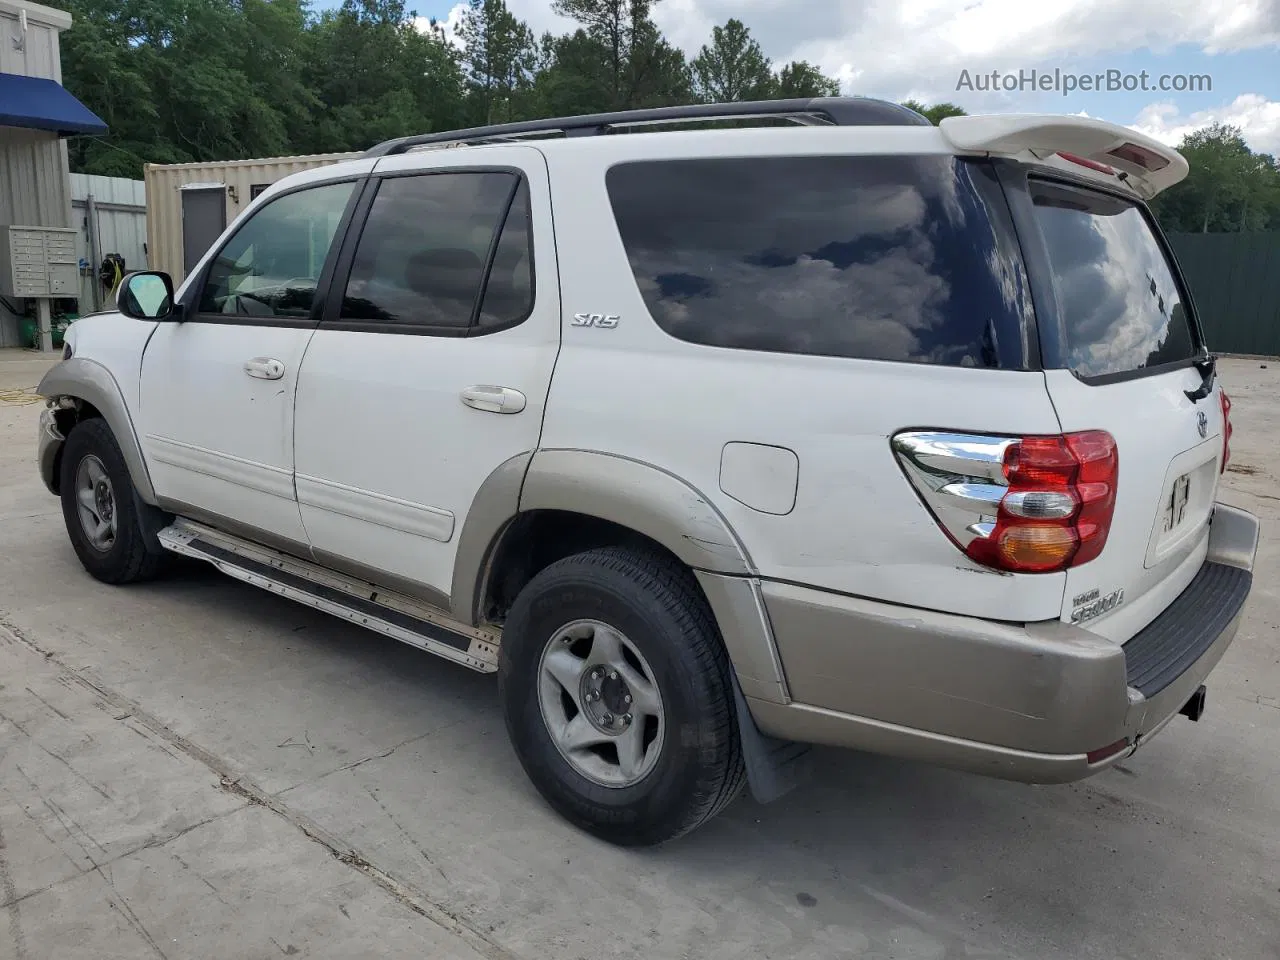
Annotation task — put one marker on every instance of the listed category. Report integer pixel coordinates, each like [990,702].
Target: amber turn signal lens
[1037,547]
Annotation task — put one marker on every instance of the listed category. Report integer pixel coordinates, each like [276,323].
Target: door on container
[431,366]
[204,217]
[216,411]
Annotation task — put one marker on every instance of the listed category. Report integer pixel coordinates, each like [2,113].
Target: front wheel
[618,698]
[105,519]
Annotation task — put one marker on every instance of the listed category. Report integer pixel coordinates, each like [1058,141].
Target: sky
[946,50]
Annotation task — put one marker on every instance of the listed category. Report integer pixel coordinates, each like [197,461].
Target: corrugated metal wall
[120,206]
[1235,282]
[164,196]
[34,187]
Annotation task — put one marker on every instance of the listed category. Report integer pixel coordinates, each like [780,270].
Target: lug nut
[613,674]
[626,718]
[626,698]
[607,718]
[595,674]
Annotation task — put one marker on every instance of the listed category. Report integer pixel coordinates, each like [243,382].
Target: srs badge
[1088,606]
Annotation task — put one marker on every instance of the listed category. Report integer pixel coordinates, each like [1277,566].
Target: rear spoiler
[1145,165]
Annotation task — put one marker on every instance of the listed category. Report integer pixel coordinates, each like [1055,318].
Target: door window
[271,266]
[427,255]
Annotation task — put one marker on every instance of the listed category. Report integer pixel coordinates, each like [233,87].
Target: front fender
[89,381]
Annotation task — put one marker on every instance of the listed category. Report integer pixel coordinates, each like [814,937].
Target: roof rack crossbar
[835,111]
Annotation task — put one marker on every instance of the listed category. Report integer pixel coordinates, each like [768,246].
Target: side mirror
[146,295]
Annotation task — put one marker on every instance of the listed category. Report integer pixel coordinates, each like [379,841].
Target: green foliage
[802,79]
[935,113]
[500,59]
[732,67]
[1229,189]
[202,80]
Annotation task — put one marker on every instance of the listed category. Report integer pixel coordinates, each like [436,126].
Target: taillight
[1086,162]
[1226,429]
[1024,504]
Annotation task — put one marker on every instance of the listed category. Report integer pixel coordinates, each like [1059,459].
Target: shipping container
[190,204]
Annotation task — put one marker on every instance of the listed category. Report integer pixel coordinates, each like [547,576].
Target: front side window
[423,255]
[271,266]
[880,258]
[1120,305]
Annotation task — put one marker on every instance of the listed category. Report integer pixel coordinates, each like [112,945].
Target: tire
[651,607]
[131,552]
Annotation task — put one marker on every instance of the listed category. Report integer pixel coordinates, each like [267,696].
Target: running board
[357,601]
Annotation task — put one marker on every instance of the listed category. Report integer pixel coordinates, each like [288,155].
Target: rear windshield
[1121,307]
[883,258]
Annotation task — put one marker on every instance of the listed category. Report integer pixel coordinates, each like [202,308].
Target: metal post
[44,317]
[95,249]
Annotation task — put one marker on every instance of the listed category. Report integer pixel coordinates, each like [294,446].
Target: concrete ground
[194,768]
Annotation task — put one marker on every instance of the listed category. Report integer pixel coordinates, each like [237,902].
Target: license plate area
[1175,509]
[1186,500]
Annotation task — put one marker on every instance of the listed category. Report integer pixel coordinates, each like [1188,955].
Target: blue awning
[40,104]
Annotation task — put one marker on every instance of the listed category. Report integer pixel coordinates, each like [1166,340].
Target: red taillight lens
[1140,156]
[1086,162]
[1057,510]
[1226,428]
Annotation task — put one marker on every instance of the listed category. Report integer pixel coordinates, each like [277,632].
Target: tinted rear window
[884,258]
[1120,305]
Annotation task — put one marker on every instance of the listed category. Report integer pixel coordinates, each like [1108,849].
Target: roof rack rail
[827,111]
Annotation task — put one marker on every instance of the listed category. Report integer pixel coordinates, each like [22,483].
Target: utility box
[38,262]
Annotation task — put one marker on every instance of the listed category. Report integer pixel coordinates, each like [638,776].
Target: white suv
[712,443]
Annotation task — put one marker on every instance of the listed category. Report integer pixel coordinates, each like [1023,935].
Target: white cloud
[1257,117]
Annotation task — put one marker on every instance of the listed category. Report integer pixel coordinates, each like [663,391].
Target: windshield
[1122,309]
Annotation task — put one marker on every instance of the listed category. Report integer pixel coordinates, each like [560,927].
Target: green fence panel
[1235,283]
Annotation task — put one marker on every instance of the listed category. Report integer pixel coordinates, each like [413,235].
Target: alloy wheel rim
[601,704]
[96,504]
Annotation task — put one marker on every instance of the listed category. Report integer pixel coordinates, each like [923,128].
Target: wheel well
[66,415]
[538,538]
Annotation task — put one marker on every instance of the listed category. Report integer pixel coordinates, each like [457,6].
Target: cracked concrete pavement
[194,768]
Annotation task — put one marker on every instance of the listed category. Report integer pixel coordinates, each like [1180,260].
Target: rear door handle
[264,368]
[493,399]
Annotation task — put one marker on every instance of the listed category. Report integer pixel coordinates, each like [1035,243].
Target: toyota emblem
[1202,424]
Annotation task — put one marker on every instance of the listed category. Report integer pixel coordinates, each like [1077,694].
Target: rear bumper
[48,448]
[1022,702]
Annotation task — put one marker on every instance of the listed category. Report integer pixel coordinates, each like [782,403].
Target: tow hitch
[1193,709]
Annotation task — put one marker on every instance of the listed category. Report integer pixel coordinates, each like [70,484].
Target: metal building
[110,216]
[189,205]
[36,251]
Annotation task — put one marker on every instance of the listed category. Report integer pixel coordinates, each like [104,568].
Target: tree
[1229,187]
[732,67]
[802,79]
[936,113]
[617,60]
[500,58]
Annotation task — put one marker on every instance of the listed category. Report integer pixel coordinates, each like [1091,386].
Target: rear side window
[1120,306]
[422,256]
[883,258]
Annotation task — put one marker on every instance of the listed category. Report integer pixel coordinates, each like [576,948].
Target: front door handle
[494,399]
[264,368]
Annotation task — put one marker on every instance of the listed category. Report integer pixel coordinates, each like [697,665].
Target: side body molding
[90,381]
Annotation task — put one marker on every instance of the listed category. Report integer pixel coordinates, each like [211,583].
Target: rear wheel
[618,697]
[110,528]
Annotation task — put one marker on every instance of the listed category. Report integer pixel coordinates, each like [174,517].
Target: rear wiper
[1208,367]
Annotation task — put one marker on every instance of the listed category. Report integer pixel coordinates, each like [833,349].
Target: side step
[362,603]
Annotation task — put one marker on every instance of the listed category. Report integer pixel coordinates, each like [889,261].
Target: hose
[21,397]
